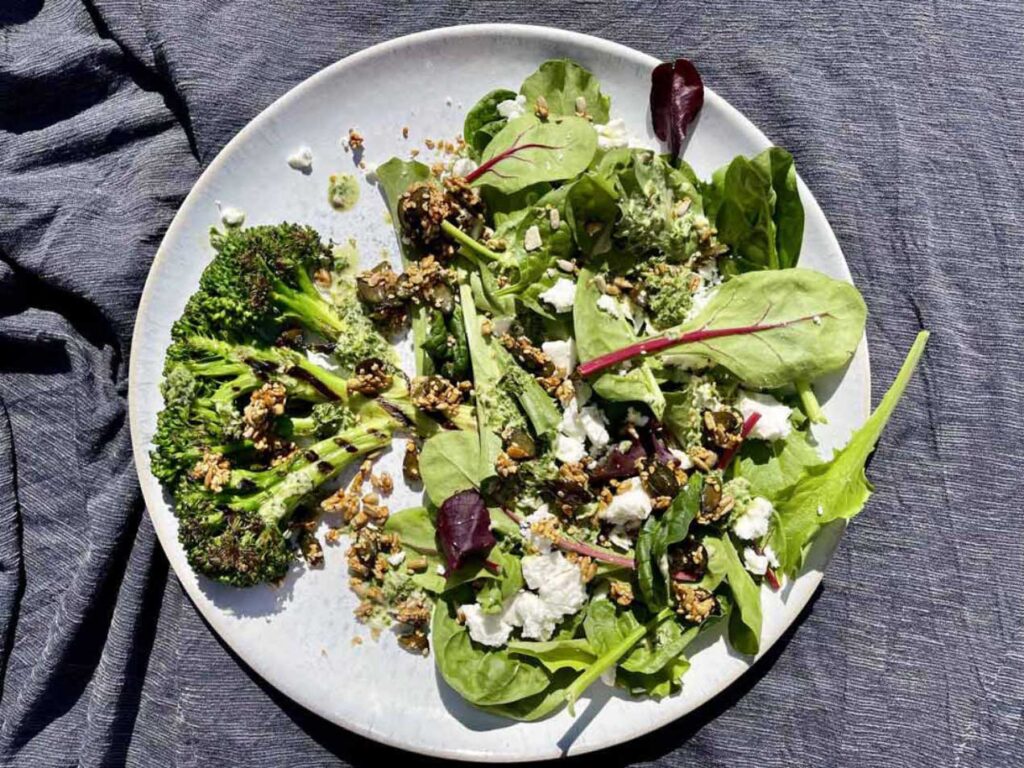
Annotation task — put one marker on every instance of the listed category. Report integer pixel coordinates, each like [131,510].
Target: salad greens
[610,415]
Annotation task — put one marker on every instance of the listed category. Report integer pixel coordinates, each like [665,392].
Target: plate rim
[140,450]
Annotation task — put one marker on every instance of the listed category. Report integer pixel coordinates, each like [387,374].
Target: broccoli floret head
[260,283]
[230,546]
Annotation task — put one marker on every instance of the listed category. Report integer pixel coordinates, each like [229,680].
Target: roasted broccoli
[258,411]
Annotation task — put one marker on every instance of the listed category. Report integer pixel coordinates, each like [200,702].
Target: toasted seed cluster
[213,469]
[695,604]
[265,404]
[435,394]
[372,376]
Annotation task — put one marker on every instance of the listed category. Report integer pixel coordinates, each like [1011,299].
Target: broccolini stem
[810,403]
[474,247]
[610,658]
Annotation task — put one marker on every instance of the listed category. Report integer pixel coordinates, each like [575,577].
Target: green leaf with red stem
[769,329]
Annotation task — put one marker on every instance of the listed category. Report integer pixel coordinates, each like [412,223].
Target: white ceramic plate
[298,635]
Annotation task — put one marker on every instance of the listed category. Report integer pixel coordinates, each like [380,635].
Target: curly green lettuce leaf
[837,489]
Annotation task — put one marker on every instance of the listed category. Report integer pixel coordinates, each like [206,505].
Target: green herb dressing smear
[342,191]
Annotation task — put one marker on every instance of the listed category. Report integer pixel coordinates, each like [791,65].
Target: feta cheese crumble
[510,109]
[301,160]
[628,508]
[559,592]
[232,217]
[774,422]
[531,240]
[758,564]
[753,523]
[463,167]
[562,354]
[612,134]
[536,541]
[561,295]
[608,304]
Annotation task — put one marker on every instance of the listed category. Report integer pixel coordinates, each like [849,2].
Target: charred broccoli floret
[238,535]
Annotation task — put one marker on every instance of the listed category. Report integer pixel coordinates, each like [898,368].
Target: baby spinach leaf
[556,654]
[590,213]
[450,462]
[527,151]
[756,208]
[767,328]
[562,82]
[482,676]
[652,585]
[661,647]
[537,404]
[657,535]
[415,528]
[658,684]
[838,489]
[612,634]
[555,240]
[506,583]
[483,120]
[539,705]
[597,333]
[745,619]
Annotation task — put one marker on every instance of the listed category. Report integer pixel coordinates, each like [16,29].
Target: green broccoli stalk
[324,420]
[238,535]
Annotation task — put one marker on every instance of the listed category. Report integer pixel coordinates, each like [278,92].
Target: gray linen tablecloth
[906,120]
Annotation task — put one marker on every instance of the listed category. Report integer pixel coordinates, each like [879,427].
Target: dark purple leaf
[677,94]
[619,464]
[464,528]
[653,438]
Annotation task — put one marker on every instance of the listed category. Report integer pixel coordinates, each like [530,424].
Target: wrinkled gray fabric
[906,120]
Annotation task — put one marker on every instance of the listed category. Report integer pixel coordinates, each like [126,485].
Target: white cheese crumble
[612,134]
[562,354]
[628,508]
[555,219]
[301,159]
[753,523]
[759,564]
[561,295]
[774,422]
[510,109]
[486,628]
[578,426]
[540,543]
[531,240]
[634,417]
[685,462]
[558,582]
[397,558]
[608,304]
[463,167]
[232,217]
[559,592]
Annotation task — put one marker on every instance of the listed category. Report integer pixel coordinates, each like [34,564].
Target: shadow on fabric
[19,11]
[359,751]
